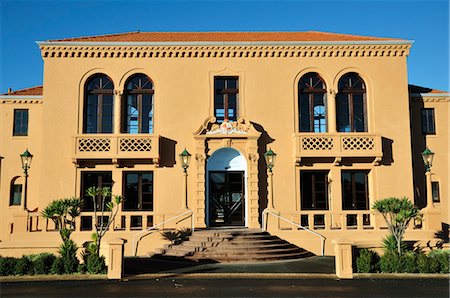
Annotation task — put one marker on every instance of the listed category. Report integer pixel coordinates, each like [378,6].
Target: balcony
[115,147]
[338,146]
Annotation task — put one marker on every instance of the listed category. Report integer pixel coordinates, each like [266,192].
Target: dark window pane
[20,122]
[314,190]
[16,195]
[435,191]
[351,104]
[138,191]
[138,105]
[355,190]
[98,105]
[94,179]
[226,98]
[428,122]
[312,103]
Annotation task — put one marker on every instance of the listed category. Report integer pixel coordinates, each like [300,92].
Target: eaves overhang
[227,43]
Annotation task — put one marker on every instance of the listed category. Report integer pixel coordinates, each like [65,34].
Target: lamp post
[270,158]
[26,158]
[427,156]
[185,158]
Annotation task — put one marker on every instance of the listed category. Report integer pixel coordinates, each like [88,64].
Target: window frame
[100,93]
[435,192]
[314,198]
[425,118]
[348,94]
[354,192]
[225,101]
[139,93]
[20,129]
[15,182]
[140,191]
[310,93]
[100,183]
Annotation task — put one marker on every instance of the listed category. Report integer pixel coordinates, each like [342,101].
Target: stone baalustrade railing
[338,146]
[111,146]
[340,220]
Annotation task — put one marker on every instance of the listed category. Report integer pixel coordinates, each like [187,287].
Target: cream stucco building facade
[117,110]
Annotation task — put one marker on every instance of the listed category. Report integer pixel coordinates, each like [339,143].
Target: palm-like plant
[397,214]
[63,213]
[104,213]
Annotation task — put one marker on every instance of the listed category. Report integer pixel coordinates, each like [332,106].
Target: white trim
[430,94]
[21,96]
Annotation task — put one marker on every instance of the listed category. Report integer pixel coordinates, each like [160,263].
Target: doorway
[226,198]
[226,189]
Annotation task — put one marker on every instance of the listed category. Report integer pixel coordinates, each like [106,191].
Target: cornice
[10,99]
[69,50]
[431,97]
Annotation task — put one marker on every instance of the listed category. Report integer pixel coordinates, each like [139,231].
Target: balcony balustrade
[109,146]
[338,145]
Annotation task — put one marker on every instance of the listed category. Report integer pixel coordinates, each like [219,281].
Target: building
[117,110]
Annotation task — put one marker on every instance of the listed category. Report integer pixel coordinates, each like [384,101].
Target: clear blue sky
[24,22]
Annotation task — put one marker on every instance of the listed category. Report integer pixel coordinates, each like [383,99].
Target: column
[429,190]
[115,258]
[331,111]
[117,110]
[343,258]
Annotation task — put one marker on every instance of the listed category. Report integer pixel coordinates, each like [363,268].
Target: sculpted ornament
[229,127]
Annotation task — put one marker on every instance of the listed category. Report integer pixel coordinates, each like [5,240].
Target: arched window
[312,103]
[98,105]
[15,193]
[351,104]
[137,114]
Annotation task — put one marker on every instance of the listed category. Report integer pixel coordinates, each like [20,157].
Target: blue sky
[24,22]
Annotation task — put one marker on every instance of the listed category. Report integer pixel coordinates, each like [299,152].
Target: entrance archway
[226,189]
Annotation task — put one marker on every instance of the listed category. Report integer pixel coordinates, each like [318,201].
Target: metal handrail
[160,224]
[265,220]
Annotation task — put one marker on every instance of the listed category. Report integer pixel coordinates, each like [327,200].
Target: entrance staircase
[232,245]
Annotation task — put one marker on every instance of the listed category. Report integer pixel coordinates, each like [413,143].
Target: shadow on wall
[167,154]
[443,235]
[263,142]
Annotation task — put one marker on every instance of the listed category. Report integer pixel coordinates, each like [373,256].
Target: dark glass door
[226,199]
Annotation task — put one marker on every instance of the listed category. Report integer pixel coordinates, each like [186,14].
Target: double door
[226,198]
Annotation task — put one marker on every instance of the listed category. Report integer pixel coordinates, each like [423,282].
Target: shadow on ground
[134,266]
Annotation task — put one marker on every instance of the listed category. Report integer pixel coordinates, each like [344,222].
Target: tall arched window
[312,105]
[98,105]
[137,115]
[351,104]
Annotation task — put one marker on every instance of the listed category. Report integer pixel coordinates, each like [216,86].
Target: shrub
[68,251]
[23,266]
[96,264]
[423,265]
[442,257]
[43,263]
[58,266]
[7,265]
[391,262]
[409,262]
[367,261]
[389,243]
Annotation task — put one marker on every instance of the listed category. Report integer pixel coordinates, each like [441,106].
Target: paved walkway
[321,265]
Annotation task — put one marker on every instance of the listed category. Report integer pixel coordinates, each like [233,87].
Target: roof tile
[36,90]
[308,36]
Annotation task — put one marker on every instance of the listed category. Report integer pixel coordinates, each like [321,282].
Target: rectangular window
[16,195]
[355,194]
[428,126]
[20,122]
[435,192]
[314,190]
[138,191]
[94,179]
[226,91]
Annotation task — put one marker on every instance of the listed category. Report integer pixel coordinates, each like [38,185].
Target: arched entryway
[226,176]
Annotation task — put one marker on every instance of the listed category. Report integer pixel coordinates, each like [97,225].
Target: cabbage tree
[397,213]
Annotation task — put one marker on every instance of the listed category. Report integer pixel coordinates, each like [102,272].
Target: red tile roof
[308,36]
[419,89]
[36,90]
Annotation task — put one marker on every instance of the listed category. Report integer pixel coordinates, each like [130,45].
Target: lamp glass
[185,158]
[427,156]
[26,158]
[270,157]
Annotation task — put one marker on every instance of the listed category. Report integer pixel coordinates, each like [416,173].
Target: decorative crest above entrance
[211,127]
